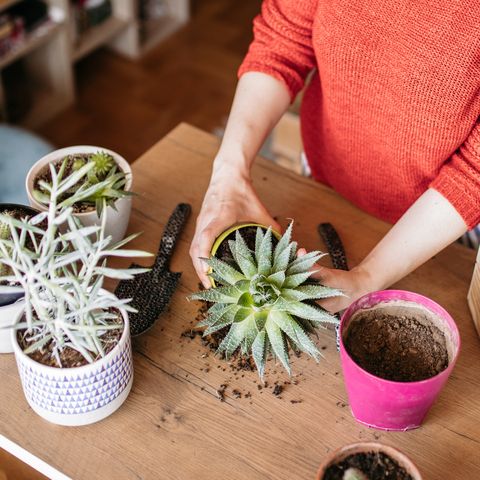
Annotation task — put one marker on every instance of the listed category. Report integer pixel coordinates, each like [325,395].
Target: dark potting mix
[398,348]
[374,465]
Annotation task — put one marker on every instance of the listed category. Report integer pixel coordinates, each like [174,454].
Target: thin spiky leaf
[277,278]
[305,262]
[303,310]
[284,243]
[218,295]
[264,254]
[223,270]
[310,292]
[242,256]
[293,281]
[259,353]
[277,342]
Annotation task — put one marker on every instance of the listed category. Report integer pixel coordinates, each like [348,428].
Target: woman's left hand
[353,283]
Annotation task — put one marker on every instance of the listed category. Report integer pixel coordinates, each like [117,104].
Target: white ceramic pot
[8,317]
[117,219]
[81,395]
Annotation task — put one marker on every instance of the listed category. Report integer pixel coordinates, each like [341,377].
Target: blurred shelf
[4,4]
[47,103]
[31,41]
[152,32]
[97,36]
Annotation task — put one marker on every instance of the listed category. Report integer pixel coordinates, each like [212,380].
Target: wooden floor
[127,106]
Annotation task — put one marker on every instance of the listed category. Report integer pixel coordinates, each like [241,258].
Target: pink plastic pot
[386,404]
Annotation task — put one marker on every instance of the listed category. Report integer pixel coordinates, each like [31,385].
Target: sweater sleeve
[459,178]
[282,45]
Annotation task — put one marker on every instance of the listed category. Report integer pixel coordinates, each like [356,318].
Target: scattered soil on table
[69,357]
[401,349]
[237,367]
[375,465]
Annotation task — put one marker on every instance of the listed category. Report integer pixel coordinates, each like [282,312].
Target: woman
[390,120]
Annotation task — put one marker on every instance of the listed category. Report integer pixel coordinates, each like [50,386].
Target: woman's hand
[353,283]
[230,199]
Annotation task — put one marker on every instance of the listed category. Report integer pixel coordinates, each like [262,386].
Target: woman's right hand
[230,199]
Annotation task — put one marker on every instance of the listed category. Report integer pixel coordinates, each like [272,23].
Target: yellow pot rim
[232,229]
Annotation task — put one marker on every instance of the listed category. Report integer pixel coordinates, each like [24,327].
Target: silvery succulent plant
[266,300]
[61,272]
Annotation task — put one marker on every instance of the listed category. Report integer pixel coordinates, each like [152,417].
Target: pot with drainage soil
[397,350]
[367,461]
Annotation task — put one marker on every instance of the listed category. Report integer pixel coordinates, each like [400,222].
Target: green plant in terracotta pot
[264,298]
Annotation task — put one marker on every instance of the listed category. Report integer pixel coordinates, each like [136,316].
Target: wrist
[367,280]
[230,167]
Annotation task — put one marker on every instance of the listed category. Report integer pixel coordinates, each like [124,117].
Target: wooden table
[173,425]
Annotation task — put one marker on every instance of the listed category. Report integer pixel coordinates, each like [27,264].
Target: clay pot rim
[340,453]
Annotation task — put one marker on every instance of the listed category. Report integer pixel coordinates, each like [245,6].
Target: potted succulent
[72,339]
[265,299]
[397,351]
[367,461]
[102,168]
[10,303]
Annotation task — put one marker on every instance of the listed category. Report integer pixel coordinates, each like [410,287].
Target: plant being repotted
[107,179]
[10,303]
[72,339]
[397,351]
[265,299]
[367,461]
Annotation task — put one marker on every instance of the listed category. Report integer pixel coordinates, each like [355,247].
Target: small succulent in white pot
[105,168]
[12,302]
[72,339]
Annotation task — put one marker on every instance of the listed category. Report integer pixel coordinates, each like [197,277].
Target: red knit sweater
[394,102]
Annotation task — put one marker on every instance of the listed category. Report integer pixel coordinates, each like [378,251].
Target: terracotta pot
[80,395]
[232,229]
[363,447]
[10,303]
[386,404]
[117,218]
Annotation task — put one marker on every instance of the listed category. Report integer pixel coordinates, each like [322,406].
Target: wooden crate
[474,294]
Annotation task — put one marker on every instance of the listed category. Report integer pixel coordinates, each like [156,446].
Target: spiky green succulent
[103,182]
[266,299]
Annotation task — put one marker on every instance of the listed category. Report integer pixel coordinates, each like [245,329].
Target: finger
[301,252]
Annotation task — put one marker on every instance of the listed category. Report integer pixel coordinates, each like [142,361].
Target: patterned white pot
[8,317]
[81,395]
[117,219]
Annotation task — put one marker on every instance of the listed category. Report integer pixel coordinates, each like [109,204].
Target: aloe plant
[102,183]
[62,274]
[266,300]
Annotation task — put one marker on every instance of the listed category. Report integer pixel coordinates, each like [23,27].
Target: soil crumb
[395,348]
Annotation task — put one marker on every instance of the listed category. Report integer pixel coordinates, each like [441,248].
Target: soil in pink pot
[401,349]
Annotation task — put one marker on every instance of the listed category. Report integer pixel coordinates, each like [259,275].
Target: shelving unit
[48,53]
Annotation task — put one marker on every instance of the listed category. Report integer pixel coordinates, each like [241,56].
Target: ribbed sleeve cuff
[461,192]
[294,85]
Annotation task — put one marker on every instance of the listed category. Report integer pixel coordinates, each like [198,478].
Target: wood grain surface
[173,425]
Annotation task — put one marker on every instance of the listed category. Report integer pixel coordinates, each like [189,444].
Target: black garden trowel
[151,291]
